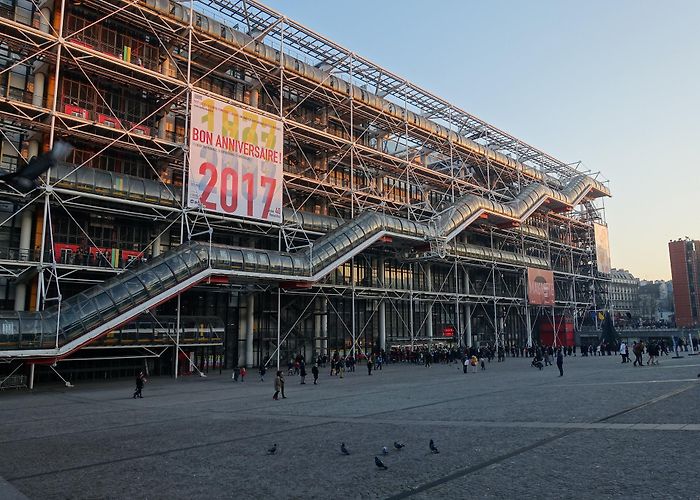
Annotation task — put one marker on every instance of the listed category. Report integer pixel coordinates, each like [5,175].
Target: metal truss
[342,157]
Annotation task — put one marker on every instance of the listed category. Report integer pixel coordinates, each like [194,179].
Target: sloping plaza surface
[604,429]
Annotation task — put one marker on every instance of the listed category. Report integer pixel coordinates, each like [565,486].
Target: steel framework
[114,78]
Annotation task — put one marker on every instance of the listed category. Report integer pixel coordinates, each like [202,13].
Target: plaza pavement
[604,430]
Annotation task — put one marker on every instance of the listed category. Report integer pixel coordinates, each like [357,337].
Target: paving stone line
[496,460]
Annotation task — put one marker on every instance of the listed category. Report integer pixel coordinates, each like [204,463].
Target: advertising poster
[540,287]
[602,248]
[235,161]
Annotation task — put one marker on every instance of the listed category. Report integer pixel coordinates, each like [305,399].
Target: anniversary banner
[235,160]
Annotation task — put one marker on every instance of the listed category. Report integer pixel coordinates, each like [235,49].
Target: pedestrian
[537,360]
[560,362]
[638,350]
[282,385]
[302,372]
[370,364]
[466,363]
[243,373]
[262,372]
[653,352]
[314,372]
[140,380]
[623,351]
[278,385]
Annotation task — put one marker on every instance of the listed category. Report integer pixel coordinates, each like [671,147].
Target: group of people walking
[653,349]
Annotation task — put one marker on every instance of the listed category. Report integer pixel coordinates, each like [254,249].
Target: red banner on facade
[540,287]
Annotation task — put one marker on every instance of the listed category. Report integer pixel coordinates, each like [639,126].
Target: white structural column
[246,326]
[429,314]
[458,314]
[324,326]
[25,237]
[155,247]
[45,20]
[33,149]
[163,122]
[31,376]
[39,83]
[162,126]
[249,330]
[242,328]
[317,327]
[528,324]
[468,315]
[528,321]
[381,308]
[468,324]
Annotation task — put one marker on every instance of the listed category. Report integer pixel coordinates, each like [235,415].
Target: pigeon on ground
[433,448]
[398,445]
[271,451]
[385,450]
[379,463]
[343,449]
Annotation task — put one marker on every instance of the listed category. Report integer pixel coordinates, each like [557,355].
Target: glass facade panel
[71,326]
[136,288]
[178,267]
[89,312]
[165,274]
[151,282]
[121,297]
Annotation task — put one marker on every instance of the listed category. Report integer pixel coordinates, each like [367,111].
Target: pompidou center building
[240,189]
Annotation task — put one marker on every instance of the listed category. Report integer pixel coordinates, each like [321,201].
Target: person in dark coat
[560,361]
[279,384]
[314,372]
[302,372]
[140,380]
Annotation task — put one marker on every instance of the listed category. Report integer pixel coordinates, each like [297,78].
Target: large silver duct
[123,186]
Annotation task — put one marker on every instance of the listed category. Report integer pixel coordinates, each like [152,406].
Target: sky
[614,84]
